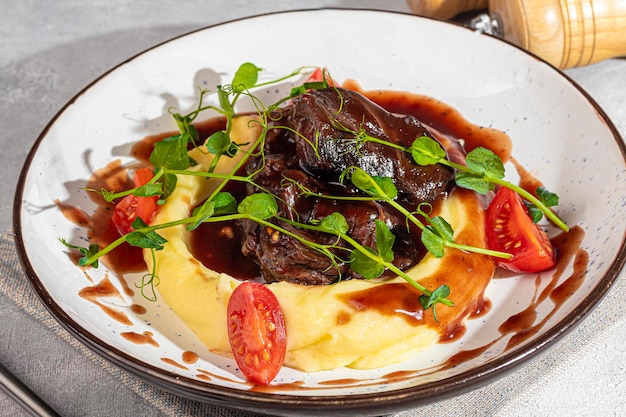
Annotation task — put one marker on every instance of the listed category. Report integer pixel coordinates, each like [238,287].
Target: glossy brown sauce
[174,363]
[125,258]
[466,275]
[208,376]
[482,308]
[527,181]
[138,309]
[392,299]
[400,299]
[291,386]
[105,289]
[442,117]
[146,338]
[217,245]
[190,357]
[523,325]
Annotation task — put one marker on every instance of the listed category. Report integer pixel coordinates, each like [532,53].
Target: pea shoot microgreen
[87,253]
[482,171]
[436,235]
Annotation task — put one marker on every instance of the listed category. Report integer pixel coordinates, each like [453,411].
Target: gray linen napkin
[492,399]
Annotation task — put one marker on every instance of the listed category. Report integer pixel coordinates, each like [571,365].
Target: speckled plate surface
[559,134]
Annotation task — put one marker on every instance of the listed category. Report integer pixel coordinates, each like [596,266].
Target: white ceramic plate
[559,134]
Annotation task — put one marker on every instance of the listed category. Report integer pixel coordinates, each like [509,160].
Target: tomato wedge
[510,229]
[318,76]
[256,332]
[131,207]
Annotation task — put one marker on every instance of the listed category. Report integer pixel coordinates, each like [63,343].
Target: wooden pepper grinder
[566,33]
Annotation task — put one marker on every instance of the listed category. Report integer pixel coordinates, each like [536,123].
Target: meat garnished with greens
[323,138]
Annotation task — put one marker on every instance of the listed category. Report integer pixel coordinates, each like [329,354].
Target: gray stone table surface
[50,50]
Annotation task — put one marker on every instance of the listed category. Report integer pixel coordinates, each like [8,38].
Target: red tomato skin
[256,332]
[131,207]
[318,76]
[510,229]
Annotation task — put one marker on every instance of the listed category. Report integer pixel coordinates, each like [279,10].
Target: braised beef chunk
[324,117]
[326,122]
[283,258]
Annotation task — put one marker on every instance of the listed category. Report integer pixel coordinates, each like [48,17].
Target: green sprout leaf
[364,265]
[218,143]
[546,197]
[201,213]
[426,151]
[482,172]
[432,242]
[185,126]
[436,234]
[472,181]
[225,203]
[86,252]
[149,240]
[260,206]
[334,223]
[224,100]
[442,227]
[535,214]
[372,267]
[297,91]
[387,186]
[374,186]
[484,161]
[171,153]
[148,190]
[169,182]
[245,77]
[384,241]
[438,295]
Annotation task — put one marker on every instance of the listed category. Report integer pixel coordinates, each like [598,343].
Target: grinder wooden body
[566,33]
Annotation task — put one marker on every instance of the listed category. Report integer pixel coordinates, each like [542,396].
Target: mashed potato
[342,324]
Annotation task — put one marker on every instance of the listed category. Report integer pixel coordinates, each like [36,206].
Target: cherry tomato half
[131,207]
[256,331]
[510,229]
[318,76]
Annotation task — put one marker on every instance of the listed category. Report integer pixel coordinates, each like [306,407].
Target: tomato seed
[237,341]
